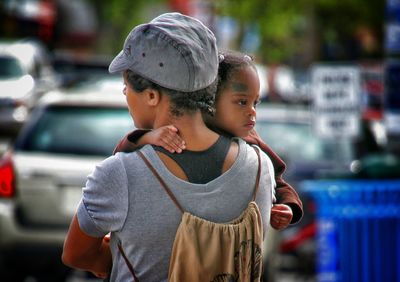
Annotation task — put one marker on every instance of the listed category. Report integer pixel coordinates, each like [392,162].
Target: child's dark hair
[229,63]
[181,102]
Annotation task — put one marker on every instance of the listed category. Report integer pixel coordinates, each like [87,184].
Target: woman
[169,68]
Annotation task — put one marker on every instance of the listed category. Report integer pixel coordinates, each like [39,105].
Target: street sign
[336,100]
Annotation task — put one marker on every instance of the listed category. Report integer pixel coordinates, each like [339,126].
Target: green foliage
[276,22]
[287,28]
[120,16]
[285,25]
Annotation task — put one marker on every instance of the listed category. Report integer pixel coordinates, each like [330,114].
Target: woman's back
[146,221]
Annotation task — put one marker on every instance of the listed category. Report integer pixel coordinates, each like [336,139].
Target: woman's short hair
[181,102]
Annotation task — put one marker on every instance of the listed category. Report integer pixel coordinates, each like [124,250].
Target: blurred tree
[305,30]
[117,17]
[294,32]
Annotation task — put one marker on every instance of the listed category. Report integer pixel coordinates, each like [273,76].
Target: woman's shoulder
[253,150]
[121,160]
[243,145]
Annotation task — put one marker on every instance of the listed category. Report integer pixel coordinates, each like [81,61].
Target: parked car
[72,68]
[25,74]
[29,18]
[42,173]
[288,130]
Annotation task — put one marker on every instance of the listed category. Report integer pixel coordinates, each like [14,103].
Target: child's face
[236,104]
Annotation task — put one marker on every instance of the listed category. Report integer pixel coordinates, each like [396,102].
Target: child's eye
[242,102]
[256,103]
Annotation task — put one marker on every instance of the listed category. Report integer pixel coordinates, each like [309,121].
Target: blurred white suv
[42,174]
[25,74]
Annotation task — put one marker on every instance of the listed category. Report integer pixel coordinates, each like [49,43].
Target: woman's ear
[153,97]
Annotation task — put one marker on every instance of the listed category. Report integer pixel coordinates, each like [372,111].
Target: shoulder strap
[258,173]
[171,195]
[163,184]
[127,263]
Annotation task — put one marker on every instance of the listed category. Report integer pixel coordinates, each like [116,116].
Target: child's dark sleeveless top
[201,166]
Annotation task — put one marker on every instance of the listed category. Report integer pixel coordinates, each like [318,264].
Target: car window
[9,68]
[77,130]
[295,142]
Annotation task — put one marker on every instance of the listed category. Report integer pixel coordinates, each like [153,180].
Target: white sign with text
[336,100]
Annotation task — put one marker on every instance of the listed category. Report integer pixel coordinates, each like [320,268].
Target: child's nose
[252,111]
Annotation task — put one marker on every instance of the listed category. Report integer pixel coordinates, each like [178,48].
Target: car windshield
[9,68]
[77,130]
[99,83]
[295,142]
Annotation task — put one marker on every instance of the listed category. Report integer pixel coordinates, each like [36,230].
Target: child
[235,114]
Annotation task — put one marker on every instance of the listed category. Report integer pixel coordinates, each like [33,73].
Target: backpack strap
[258,173]
[163,184]
[127,263]
[171,195]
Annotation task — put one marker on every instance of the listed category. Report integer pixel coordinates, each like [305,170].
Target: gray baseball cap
[175,51]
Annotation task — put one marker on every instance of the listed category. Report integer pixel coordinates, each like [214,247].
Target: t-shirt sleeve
[104,204]
[271,170]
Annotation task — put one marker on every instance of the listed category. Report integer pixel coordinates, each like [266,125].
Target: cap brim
[119,64]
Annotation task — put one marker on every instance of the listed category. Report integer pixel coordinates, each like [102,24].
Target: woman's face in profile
[136,105]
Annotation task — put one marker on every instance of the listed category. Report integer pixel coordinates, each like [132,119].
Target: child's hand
[166,137]
[107,238]
[101,275]
[281,216]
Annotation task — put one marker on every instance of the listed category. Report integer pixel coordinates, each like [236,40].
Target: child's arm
[166,137]
[284,193]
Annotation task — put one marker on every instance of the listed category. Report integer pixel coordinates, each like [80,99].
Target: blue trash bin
[358,236]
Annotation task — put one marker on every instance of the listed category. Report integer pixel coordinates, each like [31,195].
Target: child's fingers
[173,139]
[173,134]
[178,144]
[169,147]
[281,216]
[168,138]
[279,223]
[170,144]
[102,275]
[280,219]
[172,128]
[107,238]
[281,207]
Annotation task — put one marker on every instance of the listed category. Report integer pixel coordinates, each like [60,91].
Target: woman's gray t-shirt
[123,197]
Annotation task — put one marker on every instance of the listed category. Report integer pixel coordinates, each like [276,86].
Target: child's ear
[153,97]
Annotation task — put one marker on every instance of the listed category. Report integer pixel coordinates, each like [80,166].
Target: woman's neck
[193,130]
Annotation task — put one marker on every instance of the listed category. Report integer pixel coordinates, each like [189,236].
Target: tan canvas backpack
[206,251]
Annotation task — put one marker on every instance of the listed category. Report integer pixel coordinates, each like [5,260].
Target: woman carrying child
[170,70]
[235,115]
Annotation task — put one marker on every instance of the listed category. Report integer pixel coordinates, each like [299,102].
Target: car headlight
[20,113]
